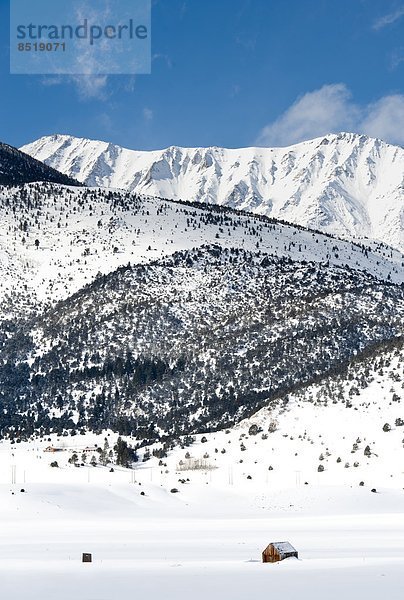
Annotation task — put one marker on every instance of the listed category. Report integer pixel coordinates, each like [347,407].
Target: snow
[283,547]
[346,184]
[182,557]
[207,539]
[208,543]
[70,255]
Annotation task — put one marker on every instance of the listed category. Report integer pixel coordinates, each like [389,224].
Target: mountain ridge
[345,184]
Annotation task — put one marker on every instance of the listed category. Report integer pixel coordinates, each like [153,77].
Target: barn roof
[283,547]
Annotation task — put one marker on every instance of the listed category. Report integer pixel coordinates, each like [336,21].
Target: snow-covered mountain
[160,318]
[190,343]
[56,239]
[346,184]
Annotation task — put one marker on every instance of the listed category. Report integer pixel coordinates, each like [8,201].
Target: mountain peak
[352,188]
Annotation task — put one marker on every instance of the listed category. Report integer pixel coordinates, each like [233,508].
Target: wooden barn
[277,551]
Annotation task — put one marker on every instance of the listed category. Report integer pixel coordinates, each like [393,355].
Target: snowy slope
[197,340]
[82,232]
[348,185]
[273,287]
[207,539]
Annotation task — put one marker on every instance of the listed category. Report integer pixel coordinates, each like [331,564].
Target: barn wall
[270,554]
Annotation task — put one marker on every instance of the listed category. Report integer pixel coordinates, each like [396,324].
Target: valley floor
[203,542]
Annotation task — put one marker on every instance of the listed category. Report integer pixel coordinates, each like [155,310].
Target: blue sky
[229,73]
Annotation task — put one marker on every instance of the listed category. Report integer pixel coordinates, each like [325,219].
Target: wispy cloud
[165,58]
[88,87]
[184,8]
[316,113]
[235,90]
[129,85]
[385,119]
[91,87]
[92,67]
[396,58]
[388,19]
[148,114]
[331,109]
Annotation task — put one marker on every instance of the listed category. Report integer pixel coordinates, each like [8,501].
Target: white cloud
[129,84]
[88,87]
[165,58]
[388,19]
[89,64]
[91,86]
[50,80]
[148,114]
[385,119]
[331,110]
[316,113]
[397,57]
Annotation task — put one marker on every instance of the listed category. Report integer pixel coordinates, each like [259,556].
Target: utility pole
[230,475]
[13,474]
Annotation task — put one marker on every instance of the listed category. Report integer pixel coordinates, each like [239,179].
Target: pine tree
[124,453]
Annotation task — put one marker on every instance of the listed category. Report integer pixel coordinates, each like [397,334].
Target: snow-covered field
[206,543]
[206,540]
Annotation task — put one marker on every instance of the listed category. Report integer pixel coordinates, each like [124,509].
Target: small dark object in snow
[112,470]
[87,558]
[142,494]
[374,490]
[361,483]
[249,477]
[174,491]
[22,490]
[254,430]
